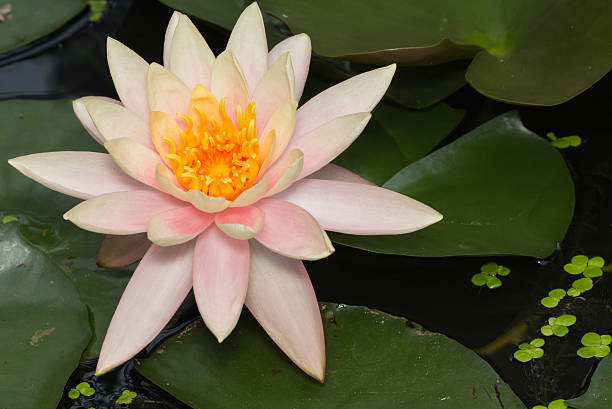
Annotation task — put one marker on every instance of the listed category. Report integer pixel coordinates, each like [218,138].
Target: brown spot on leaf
[39,335]
[424,332]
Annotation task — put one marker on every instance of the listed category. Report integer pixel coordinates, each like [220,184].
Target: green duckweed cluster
[126,396]
[595,345]
[81,389]
[97,8]
[564,142]
[553,298]
[488,275]
[529,351]
[9,219]
[558,326]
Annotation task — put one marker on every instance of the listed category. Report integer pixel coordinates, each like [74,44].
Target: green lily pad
[591,339]
[45,325]
[523,53]
[421,370]
[33,19]
[583,284]
[501,188]
[480,279]
[566,320]
[573,292]
[599,393]
[597,262]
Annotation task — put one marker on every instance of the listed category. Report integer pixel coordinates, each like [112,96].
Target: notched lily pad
[421,370]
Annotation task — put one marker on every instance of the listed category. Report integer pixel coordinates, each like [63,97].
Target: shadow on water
[434,292]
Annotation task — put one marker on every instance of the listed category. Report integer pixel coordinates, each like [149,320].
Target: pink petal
[169,35]
[281,123]
[157,288]
[248,43]
[177,226]
[121,251]
[168,182]
[115,121]
[360,93]
[80,110]
[190,56]
[220,278]
[227,81]
[163,125]
[356,208]
[240,222]
[121,212]
[205,203]
[275,87]
[129,72]
[323,144]
[300,49]
[78,174]
[166,92]
[285,172]
[134,159]
[290,231]
[332,171]
[281,298]
[252,194]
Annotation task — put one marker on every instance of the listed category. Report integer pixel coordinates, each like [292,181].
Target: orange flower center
[215,155]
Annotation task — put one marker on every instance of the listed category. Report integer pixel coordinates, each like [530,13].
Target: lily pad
[599,393]
[33,19]
[418,369]
[45,325]
[501,188]
[40,126]
[541,54]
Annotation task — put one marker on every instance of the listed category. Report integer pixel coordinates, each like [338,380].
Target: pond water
[436,293]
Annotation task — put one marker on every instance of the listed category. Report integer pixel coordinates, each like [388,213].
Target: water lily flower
[210,157]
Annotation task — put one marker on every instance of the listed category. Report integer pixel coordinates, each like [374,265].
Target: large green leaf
[396,137]
[599,394]
[44,324]
[374,360]
[540,53]
[32,19]
[41,126]
[501,188]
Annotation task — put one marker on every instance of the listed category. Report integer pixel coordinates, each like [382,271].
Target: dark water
[434,292]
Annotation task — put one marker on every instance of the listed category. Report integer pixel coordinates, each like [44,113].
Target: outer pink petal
[227,81]
[134,159]
[78,174]
[360,93]
[281,298]
[166,92]
[121,212]
[121,251]
[300,49]
[290,231]
[248,43]
[275,87]
[285,172]
[177,226]
[157,288]
[356,208]
[332,171]
[129,72]
[115,121]
[323,144]
[190,56]
[169,35]
[240,222]
[220,278]
[80,110]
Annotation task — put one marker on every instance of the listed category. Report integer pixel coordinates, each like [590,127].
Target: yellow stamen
[215,155]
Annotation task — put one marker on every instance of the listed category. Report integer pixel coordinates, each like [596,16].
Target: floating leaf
[33,19]
[583,284]
[418,367]
[599,393]
[523,172]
